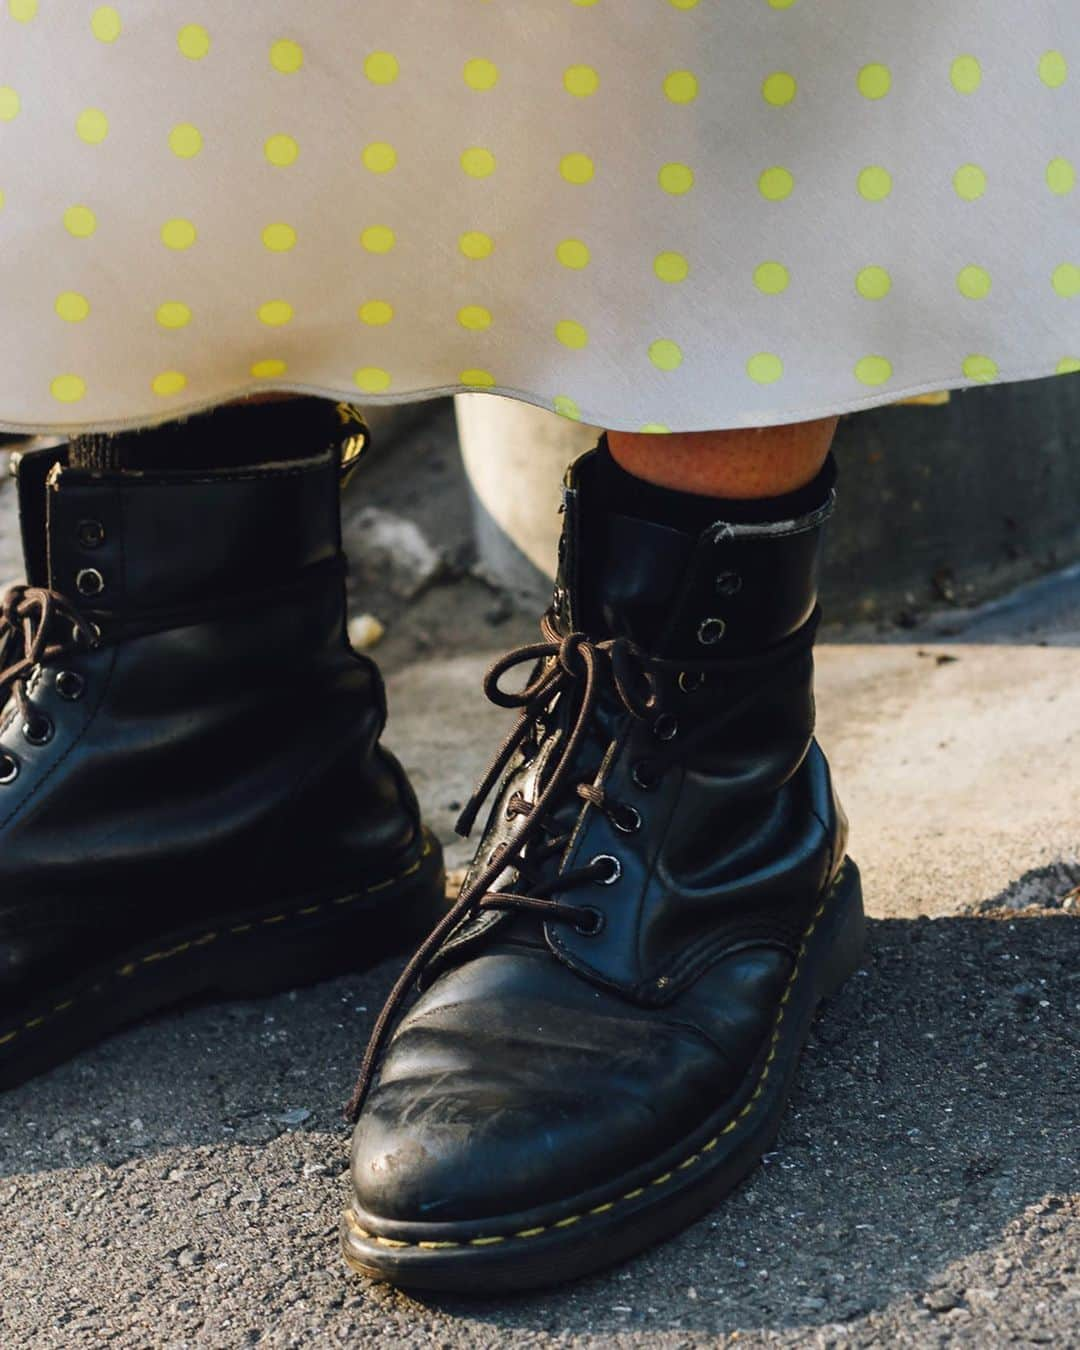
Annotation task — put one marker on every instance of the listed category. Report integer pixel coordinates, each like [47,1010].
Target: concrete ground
[180,1185]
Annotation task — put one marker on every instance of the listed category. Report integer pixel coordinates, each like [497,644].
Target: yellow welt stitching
[689,1162]
[309,909]
[129,969]
[711,1144]
[381,885]
[566,1223]
[633,1195]
[346,899]
[598,1209]
[205,940]
[242,928]
[63,1007]
[485,1242]
[34,1023]
[390,1242]
[8,1036]
[531,1232]
[437,1246]
[275,918]
[659,1181]
[729,1127]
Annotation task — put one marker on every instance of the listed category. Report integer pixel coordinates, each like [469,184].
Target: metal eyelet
[614,868]
[9,767]
[90,533]
[689,683]
[711,631]
[597,921]
[79,637]
[641,776]
[89,581]
[627,820]
[728,583]
[38,732]
[70,685]
[666,727]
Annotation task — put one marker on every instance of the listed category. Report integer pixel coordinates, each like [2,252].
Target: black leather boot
[612,1014]
[193,798]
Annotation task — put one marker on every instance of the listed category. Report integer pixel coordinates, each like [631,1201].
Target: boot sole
[243,954]
[590,1232]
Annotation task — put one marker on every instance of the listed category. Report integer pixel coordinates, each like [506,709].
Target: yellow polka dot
[681,86]
[1060,177]
[168,382]
[873,283]
[873,370]
[966,74]
[574,254]
[577,168]
[194,41]
[375,312]
[23,10]
[581,81]
[779,88]
[475,317]
[480,74]
[981,368]
[571,334]
[185,141]
[382,68]
[665,354]
[178,234]
[654,429]
[765,368]
[378,239]
[476,244]
[279,238]
[478,162]
[973,283]
[585,4]
[1067,280]
[969,182]
[683,4]
[775,184]
[671,267]
[1,200]
[379,157]
[372,379]
[80,221]
[274,313]
[566,407]
[781,4]
[875,183]
[676,179]
[480,379]
[1069,365]
[105,24]
[269,369]
[874,81]
[9,103]
[72,307]
[173,314]
[92,126]
[286,56]
[281,150]
[1053,69]
[771,278]
[68,388]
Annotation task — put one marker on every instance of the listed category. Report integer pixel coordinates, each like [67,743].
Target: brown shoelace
[29,616]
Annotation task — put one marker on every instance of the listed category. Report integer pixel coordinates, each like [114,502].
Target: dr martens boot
[611,1015]
[193,797]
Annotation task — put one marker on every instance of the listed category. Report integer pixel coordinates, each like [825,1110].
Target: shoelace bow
[569,666]
[28,615]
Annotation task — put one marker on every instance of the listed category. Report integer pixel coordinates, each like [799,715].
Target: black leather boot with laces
[193,797]
[611,1015]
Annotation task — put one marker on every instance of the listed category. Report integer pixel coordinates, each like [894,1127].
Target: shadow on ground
[195,1166]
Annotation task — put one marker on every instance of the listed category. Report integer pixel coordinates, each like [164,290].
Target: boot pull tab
[354,444]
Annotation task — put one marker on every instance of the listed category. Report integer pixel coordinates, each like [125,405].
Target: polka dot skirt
[647,214]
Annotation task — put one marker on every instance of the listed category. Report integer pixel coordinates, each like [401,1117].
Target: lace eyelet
[666,727]
[614,868]
[728,583]
[9,768]
[89,581]
[38,732]
[710,631]
[688,682]
[70,685]
[90,533]
[627,820]
[643,777]
[595,924]
[80,639]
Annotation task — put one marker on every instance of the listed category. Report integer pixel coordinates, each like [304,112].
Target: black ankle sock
[233,436]
[691,512]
